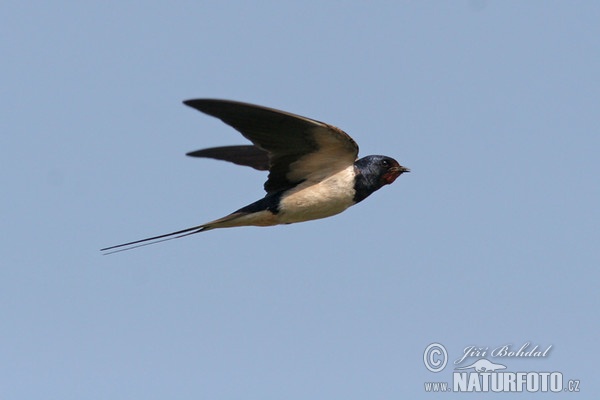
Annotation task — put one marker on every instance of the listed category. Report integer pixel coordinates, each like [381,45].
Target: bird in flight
[314,170]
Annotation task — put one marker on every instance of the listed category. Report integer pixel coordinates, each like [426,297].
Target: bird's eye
[385,163]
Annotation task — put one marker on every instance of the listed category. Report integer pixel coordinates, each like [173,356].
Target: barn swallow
[314,170]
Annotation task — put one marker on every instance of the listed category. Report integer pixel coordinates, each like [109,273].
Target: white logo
[483,375]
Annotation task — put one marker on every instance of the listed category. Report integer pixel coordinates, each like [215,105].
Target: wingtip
[202,104]
[192,102]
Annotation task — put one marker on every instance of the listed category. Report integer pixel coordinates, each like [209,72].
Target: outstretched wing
[299,148]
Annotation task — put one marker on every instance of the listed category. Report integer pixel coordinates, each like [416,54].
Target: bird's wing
[250,156]
[300,149]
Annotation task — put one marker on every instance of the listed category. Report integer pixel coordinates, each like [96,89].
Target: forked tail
[155,239]
[235,219]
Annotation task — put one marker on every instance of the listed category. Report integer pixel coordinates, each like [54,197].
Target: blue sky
[492,239]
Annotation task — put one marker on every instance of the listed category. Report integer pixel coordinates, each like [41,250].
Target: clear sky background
[492,239]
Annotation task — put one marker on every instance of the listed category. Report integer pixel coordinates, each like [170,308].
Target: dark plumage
[313,168]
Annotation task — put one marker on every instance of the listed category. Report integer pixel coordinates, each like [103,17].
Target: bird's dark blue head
[374,172]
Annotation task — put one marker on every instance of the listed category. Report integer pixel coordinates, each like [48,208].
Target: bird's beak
[399,169]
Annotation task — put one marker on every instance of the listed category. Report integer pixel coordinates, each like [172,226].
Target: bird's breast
[314,200]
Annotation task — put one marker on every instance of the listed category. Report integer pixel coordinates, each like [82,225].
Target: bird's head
[380,170]
[374,172]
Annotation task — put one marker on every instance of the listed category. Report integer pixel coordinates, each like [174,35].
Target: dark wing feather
[299,148]
[250,156]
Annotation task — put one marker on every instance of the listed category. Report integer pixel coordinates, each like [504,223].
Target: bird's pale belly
[313,201]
